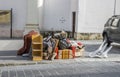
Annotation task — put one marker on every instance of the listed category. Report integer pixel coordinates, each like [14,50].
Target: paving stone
[28,73]
[20,74]
[61,72]
[4,74]
[36,72]
[44,73]
[52,72]
[12,74]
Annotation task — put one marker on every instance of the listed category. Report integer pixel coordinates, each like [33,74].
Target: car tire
[106,39]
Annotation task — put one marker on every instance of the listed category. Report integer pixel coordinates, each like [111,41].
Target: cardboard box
[79,52]
[65,54]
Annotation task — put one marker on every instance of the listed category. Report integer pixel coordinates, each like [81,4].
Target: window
[109,21]
[119,23]
[115,22]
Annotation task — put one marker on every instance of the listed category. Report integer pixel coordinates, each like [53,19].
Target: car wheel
[106,39]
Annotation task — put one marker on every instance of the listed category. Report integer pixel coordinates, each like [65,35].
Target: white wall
[74,8]
[74,5]
[32,12]
[93,14]
[117,7]
[19,11]
[41,13]
[54,11]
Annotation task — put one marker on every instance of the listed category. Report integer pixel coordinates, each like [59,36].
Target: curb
[60,61]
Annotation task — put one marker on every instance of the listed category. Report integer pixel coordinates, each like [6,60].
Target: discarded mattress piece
[27,43]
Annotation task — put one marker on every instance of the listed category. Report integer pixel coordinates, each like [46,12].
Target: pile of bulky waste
[55,46]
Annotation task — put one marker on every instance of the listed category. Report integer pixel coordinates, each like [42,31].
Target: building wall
[41,13]
[57,15]
[19,17]
[117,12]
[32,12]
[93,14]
[74,5]
[74,8]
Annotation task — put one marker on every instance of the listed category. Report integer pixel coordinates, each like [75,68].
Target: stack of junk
[53,46]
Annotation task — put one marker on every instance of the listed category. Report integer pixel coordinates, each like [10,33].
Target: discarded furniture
[27,43]
[37,47]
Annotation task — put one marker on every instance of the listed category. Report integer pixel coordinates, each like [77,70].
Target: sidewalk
[8,45]
[15,44]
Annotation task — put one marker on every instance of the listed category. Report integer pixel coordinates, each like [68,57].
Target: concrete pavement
[10,44]
[15,44]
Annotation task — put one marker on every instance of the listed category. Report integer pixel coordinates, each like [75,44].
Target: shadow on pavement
[11,55]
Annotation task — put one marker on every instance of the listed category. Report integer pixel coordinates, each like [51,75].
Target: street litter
[27,43]
[102,51]
[53,46]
